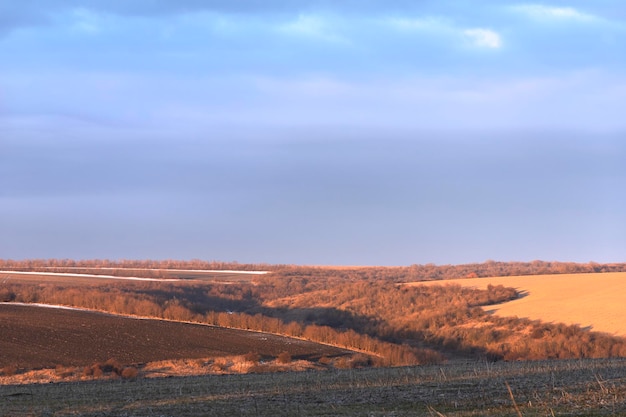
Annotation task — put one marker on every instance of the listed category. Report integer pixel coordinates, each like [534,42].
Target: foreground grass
[573,388]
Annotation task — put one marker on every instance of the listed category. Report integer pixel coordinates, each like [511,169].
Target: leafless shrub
[129,372]
[325,360]
[8,370]
[6,295]
[257,369]
[112,365]
[253,357]
[353,362]
[284,357]
[343,363]
[97,371]
[88,371]
[63,372]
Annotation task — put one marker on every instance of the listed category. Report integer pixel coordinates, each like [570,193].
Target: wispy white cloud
[313,26]
[483,38]
[543,12]
[86,21]
[476,37]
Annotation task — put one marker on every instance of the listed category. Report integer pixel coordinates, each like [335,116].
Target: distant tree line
[428,272]
[432,272]
[70,265]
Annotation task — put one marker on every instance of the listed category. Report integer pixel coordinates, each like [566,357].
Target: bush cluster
[111,368]
[8,370]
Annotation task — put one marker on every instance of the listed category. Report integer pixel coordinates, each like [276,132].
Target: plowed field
[37,337]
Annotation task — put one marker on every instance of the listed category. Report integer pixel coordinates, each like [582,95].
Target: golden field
[595,301]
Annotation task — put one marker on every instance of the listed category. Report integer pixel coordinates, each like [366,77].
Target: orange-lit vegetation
[593,301]
[220,305]
[358,308]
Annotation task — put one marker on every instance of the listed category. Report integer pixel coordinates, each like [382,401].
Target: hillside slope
[593,301]
[36,337]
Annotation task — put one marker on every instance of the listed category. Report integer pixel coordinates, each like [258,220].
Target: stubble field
[593,301]
[548,388]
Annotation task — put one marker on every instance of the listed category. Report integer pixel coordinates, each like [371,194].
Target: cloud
[545,13]
[477,37]
[20,14]
[483,38]
[15,14]
[86,21]
[313,26]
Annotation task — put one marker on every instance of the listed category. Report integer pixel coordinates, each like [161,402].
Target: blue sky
[313,132]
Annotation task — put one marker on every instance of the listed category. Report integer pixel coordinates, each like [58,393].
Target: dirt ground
[37,337]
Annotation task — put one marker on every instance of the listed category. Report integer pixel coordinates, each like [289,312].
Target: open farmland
[38,337]
[87,275]
[546,388]
[594,301]
[367,310]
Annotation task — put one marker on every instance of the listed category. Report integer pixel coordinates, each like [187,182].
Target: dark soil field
[548,388]
[38,337]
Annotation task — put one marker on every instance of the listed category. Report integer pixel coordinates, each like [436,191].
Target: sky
[372,132]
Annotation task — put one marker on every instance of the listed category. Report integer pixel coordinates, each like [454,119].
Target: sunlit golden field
[589,300]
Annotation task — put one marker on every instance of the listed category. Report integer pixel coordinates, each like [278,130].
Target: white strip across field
[212,271]
[68,274]
[54,306]
[589,300]
[91,310]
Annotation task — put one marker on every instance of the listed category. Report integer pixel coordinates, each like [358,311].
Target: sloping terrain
[594,301]
[393,323]
[35,337]
[553,388]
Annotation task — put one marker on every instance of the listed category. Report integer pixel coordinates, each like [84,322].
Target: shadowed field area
[594,301]
[572,388]
[35,337]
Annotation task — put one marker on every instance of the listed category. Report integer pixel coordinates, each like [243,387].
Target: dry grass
[224,365]
[572,388]
[592,301]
